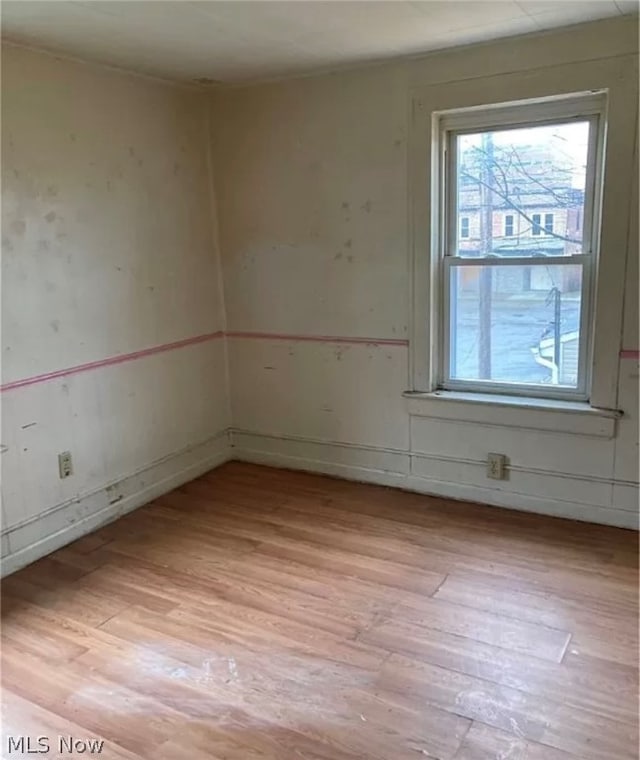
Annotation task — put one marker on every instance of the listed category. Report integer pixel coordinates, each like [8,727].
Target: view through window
[517,269]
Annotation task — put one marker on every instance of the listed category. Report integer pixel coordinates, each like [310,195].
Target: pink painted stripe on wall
[120,359]
[319,338]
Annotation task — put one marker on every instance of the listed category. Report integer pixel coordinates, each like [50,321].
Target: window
[516,310]
[548,223]
[536,224]
[508,225]
[599,93]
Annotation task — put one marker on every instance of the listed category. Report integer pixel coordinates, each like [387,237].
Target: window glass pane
[536,228]
[515,324]
[508,225]
[536,175]
[548,223]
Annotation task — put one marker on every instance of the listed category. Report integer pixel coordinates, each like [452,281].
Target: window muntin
[517,296]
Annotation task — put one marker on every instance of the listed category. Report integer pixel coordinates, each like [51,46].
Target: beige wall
[108,249]
[312,179]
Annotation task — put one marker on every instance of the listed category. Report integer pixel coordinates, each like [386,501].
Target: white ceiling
[245,40]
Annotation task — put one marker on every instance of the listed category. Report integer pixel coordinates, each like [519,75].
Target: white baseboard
[27,542]
[423,474]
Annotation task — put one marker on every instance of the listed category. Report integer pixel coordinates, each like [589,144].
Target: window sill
[573,417]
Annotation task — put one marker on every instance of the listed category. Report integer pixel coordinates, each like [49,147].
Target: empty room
[320,371]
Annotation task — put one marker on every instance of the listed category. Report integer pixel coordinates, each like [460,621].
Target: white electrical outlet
[496,466]
[65,465]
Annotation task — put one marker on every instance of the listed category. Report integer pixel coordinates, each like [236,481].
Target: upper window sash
[582,107]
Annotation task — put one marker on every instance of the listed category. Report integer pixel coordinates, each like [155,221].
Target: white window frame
[618,78]
[590,108]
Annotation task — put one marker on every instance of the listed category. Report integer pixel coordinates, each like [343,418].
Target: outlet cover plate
[496,466]
[65,464]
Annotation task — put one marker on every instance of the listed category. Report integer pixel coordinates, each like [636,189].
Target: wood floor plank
[538,719]
[541,609]
[261,614]
[604,687]
[338,543]
[218,586]
[256,629]
[101,707]
[384,572]
[487,627]
[21,718]
[45,641]
[483,742]
[69,599]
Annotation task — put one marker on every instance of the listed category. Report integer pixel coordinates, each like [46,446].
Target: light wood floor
[260,613]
